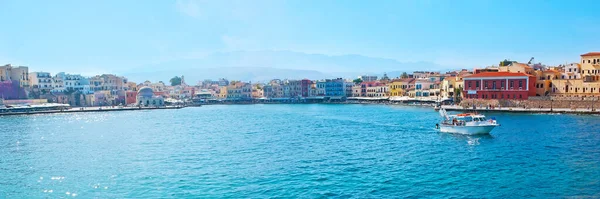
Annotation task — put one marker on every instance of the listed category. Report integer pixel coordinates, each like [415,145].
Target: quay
[87,109]
[582,111]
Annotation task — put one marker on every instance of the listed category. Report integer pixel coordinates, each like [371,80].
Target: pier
[522,110]
[87,109]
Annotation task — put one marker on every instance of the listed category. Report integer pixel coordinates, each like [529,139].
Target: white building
[72,82]
[146,98]
[41,80]
[368,78]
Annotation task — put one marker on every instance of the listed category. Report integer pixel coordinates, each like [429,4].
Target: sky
[112,36]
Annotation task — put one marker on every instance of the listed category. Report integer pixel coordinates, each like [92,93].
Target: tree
[175,81]
[457,95]
[404,75]
[357,81]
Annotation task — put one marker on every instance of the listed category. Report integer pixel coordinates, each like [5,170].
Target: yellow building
[590,67]
[21,74]
[516,67]
[447,87]
[222,92]
[544,81]
[398,87]
[586,86]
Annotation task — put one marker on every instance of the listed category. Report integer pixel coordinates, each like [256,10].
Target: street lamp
[551,102]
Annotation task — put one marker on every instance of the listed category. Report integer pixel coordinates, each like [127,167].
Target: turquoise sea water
[294,151]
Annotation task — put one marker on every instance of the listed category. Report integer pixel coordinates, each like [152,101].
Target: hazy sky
[85,36]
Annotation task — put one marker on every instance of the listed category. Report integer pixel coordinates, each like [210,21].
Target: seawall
[89,109]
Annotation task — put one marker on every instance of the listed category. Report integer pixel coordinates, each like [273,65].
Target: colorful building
[499,85]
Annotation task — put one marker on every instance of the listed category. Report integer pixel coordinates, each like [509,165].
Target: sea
[295,151]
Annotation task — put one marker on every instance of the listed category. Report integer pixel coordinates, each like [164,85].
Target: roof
[591,54]
[521,64]
[497,74]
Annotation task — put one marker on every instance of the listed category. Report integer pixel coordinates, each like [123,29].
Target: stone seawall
[533,103]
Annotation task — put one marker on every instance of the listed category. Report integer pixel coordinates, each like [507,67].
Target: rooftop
[591,54]
[497,74]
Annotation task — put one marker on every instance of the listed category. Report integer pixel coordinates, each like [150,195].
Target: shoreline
[578,111]
[89,109]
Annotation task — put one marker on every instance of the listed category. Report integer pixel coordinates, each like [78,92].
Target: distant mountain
[254,74]
[264,65]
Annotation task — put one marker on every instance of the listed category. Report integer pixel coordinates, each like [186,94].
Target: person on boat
[454,121]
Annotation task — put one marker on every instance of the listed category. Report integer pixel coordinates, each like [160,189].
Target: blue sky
[111,36]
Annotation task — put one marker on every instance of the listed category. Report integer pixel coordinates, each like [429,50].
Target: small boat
[466,123]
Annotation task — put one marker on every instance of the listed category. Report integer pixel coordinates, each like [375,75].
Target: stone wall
[532,103]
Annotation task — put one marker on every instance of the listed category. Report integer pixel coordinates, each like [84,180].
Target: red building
[130,97]
[305,87]
[499,85]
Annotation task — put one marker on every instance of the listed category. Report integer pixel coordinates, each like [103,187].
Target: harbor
[62,108]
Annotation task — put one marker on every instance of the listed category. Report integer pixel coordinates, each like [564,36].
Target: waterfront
[302,150]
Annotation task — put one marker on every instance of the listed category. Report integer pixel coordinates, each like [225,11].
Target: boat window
[483,119]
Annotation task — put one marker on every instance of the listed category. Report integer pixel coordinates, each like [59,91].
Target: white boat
[466,123]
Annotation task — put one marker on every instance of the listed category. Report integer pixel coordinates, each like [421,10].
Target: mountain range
[261,66]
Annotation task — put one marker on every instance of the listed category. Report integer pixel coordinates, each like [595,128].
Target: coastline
[89,109]
[578,111]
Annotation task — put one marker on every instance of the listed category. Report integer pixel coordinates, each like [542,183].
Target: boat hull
[467,130]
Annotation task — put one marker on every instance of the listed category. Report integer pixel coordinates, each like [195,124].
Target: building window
[520,84]
[494,85]
[477,84]
[511,84]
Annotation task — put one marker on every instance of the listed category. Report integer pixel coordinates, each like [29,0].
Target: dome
[146,92]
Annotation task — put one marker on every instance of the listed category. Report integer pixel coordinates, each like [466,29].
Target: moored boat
[466,123]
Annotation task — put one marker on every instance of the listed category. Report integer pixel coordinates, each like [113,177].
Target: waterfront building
[579,80]
[58,84]
[447,88]
[320,86]
[294,88]
[543,83]
[357,91]
[426,88]
[423,74]
[73,82]
[571,71]
[590,67]
[486,70]
[41,81]
[257,91]
[268,91]
[108,82]
[239,90]
[395,88]
[156,87]
[131,86]
[368,78]
[146,97]
[377,89]
[349,90]
[335,87]
[222,92]
[499,85]
[305,87]
[130,97]
[19,74]
[515,67]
